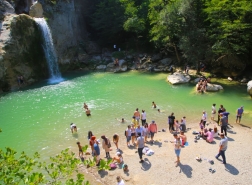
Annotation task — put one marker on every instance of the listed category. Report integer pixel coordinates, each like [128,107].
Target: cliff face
[21,52]
[68,27]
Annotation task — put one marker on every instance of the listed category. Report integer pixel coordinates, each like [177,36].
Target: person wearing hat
[224,123]
[239,114]
[118,158]
[222,148]
[152,129]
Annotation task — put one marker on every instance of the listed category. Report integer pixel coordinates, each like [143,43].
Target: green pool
[38,118]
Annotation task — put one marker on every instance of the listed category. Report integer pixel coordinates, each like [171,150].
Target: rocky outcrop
[178,78]
[36,10]
[21,52]
[6,8]
[212,87]
[249,88]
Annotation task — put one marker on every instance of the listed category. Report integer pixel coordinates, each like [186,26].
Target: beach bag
[112,166]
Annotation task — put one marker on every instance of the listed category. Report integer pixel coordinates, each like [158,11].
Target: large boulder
[6,7]
[249,88]
[212,87]
[36,10]
[178,78]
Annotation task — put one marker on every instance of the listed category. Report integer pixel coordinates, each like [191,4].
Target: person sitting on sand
[80,149]
[209,138]
[88,112]
[85,106]
[215,131]
[183,137]
[125,167]
[73,127]
[205,134]
[154,105]
[118,158]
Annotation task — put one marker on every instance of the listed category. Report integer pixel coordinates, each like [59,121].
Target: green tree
[21,169]
[230,26]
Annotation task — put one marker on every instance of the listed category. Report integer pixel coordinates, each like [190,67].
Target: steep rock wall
[21,52]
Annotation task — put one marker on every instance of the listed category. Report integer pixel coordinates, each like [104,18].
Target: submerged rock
[249,89]
[178,78]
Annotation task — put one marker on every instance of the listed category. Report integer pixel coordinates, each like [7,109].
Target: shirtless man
[154,105]
[137,115]
[85,106]
[88,112]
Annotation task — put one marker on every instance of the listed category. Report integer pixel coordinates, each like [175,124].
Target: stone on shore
[249,88]
[178,78]
[212,87]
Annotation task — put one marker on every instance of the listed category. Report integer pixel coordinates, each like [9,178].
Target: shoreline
[162,165]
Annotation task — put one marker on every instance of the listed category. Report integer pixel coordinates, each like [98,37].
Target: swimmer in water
[154,105]
[73,127]
[88,112]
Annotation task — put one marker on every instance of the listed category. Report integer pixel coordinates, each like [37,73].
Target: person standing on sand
[143,117]
[213,112]
[106,146]
[137,115]
[204,118]
[223,148]
[140,145]
[80,149]
[221,109]
[152,129]
[177,147]
[171,119]
[88,112]
[116,140]
[128,135]
[239,114]
[224,123]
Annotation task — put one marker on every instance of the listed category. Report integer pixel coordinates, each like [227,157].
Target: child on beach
[80,149]
[116,140]
[118,159]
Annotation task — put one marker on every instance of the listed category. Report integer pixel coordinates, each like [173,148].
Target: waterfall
[50,54]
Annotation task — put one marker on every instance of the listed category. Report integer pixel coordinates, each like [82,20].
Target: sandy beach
[160,169]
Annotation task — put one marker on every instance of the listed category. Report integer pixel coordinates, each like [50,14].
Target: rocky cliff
[21,51]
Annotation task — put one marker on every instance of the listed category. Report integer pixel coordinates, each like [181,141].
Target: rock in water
[178,78]
[36,10]
[249,89]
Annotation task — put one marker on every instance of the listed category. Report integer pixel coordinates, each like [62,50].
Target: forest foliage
[200,30]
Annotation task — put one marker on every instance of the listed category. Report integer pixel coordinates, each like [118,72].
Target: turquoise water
[38,118]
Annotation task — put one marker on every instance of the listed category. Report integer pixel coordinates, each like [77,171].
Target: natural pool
[38,118]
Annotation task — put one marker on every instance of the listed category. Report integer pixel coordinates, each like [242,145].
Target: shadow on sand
[186,169]
[231,169]
[146,165]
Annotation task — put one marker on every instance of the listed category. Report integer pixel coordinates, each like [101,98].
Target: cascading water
[50,54]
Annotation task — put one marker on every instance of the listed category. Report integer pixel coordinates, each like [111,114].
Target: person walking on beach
[140,144]
[239,114]
[137,115]
[143,117]
[171,119]
[213,112]
[177,147]
[222,148]
[224,123]
[152,129]
[80,149]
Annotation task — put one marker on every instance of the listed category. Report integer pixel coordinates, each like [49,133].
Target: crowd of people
[137,135]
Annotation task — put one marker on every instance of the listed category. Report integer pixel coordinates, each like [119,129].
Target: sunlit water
[38,118]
